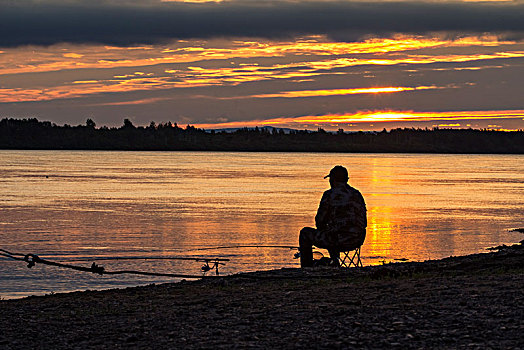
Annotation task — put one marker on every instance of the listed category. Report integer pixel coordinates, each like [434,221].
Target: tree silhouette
[90,123]
[128,124]
[33,134]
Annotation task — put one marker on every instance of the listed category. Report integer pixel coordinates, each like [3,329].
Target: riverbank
[474,301]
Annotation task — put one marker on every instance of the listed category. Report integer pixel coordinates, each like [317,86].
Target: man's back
[342,208]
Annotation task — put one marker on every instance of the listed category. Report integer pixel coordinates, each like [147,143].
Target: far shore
[474,301]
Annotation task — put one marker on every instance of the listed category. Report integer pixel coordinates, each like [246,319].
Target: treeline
[34,134]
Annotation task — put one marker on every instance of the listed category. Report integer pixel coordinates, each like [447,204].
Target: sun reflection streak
[378,236]
[381,217]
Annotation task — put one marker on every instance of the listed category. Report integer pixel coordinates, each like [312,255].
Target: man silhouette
[341,220]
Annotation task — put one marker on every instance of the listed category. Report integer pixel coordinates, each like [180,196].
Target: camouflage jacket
[342,208]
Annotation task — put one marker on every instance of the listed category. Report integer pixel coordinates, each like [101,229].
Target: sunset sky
[356,65]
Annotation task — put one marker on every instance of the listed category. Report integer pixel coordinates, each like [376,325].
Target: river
[76,206]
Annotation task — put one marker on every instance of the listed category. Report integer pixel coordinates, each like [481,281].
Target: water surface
[67,205]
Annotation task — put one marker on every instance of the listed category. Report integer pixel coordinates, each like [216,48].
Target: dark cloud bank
[124,23]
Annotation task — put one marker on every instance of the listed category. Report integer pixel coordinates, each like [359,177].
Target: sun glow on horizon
[339,120]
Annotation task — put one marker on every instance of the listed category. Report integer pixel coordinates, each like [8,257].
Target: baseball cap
[338,173]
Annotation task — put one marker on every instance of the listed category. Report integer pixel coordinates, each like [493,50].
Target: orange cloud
[72,55]
[306,61]
[487,0]
[140,81]
[338,92]
[32,60]
[134,102]
[197,1]
[82,88]
[399,116]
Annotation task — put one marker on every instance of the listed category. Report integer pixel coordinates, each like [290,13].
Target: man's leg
[329,240]
[334,254]
[305,241]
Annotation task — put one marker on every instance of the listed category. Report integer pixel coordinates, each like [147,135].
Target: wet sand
[475,301]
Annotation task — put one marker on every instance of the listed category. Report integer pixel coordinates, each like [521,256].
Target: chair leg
[359,262]
[343,259]
[352,259]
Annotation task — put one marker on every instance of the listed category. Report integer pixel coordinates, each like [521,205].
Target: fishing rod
[33,259]
[247,246]
[295,256]
[209,263]
[74,259]
[205,268]
[102,258]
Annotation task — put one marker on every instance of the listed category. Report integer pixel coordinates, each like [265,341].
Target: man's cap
[338,173]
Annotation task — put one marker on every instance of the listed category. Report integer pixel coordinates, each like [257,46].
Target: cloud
[188,74]
[27,22]
[67,57]
[337,92]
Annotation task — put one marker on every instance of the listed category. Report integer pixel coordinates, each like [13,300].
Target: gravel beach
[474,302]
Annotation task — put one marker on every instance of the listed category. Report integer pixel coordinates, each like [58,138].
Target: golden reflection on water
[378,238]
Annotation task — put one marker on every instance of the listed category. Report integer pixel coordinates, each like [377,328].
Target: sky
[352,65]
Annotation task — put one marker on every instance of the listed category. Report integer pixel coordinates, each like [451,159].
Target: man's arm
[361,212]
[322,212]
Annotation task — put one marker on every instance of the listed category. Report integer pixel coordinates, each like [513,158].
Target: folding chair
[350,258]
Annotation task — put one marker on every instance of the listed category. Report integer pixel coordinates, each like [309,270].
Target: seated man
[341,220]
